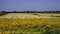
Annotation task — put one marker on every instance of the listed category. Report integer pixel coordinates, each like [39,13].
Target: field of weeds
[32,23]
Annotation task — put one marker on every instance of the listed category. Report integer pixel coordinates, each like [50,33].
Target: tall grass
[31,26]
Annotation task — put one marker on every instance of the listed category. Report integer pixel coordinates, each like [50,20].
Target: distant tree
[14,11]
[3,11]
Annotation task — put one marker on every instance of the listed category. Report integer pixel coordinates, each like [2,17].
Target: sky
[34,5]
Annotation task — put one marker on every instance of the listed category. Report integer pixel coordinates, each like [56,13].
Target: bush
[3,13]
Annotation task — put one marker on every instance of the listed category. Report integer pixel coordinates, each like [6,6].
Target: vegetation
[30,11]
[3,13]
[28,25]
[42,25]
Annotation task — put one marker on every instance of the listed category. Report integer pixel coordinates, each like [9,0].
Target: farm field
[30,23]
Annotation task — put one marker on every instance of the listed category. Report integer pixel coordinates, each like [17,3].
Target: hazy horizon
[34,5]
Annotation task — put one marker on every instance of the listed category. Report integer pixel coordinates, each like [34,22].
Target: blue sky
[20,5]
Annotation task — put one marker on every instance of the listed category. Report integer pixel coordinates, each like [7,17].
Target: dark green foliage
[3,13]
[30,11]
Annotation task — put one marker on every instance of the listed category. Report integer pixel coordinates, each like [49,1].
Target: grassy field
[30,23]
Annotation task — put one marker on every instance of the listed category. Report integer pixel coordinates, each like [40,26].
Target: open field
[30,23]
[30,15]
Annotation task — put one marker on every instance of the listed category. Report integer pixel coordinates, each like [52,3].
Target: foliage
[3,13]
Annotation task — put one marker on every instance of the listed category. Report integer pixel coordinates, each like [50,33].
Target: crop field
[30,23]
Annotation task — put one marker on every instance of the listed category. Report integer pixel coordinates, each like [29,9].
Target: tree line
[30,12]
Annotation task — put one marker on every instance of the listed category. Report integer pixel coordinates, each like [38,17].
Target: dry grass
[28,22]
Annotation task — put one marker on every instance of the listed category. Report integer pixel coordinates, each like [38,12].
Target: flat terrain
[30,23]
[29,15]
